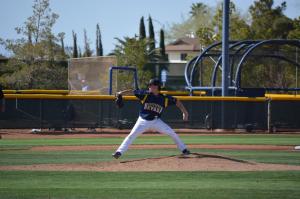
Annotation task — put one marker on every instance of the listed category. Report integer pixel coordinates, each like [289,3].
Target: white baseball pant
[143,125]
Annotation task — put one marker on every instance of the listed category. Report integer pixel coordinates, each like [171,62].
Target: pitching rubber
[297,147]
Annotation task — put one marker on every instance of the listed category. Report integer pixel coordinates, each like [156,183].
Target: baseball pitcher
[152,106]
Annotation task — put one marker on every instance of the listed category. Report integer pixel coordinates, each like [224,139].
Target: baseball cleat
[116,155]
[186,152]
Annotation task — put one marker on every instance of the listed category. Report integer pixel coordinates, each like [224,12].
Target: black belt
[150,119]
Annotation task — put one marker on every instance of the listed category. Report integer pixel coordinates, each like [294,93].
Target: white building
[179,50]
[178,53]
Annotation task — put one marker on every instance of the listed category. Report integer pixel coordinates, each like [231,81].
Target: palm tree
[198,8]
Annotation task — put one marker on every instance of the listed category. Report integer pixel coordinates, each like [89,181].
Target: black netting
[271,66]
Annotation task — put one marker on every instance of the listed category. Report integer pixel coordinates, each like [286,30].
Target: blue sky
[117,18]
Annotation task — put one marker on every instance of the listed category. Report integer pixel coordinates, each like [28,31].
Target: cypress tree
[99,48]
[61,37]
[97,41]
[29,35]
[151,36]
[142,29]
[80,53]
[62,46]
[87,50]
[162,44]
[100,43]
[75,48]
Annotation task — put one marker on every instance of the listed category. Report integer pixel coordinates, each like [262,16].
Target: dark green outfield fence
[58,111]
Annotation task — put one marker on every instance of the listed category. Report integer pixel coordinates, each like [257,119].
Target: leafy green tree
[75,48]
[206,36]
[99,47]
[133,52]
[37,34]
[206,23]
[40,24]
[295,33]
[239,27]
[87,49]
[36,50]
[269,21]
[200,18]
[142,34]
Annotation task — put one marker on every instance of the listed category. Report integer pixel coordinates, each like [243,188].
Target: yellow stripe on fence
[111,97]
[94,92]
[63,94]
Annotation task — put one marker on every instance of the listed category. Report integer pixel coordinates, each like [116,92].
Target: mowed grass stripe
[150,185]
[224,139]
[60,157]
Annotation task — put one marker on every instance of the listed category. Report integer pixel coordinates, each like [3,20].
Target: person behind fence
[84,85]
[153,104]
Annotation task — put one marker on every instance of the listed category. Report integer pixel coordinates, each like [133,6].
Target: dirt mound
[193,162]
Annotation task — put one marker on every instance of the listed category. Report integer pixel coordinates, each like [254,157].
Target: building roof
[184,44]
[3,58]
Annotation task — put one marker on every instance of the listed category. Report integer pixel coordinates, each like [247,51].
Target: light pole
[225,48]
[225,58]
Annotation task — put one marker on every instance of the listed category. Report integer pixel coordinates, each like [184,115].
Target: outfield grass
[131,185]
[200,139]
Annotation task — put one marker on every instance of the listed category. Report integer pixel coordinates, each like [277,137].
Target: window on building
[183,56]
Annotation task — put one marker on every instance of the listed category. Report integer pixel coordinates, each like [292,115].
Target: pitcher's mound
[197,162]
[193,162]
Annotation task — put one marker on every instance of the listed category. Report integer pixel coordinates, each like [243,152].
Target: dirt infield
[193,162]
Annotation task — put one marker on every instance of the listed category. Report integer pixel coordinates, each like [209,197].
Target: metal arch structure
[191,65]
[193,62]
[241,45]
[295,43]
[242,49]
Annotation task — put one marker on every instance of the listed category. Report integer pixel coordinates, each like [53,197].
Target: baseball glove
[119,101]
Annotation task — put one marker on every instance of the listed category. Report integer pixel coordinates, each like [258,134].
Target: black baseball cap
[154,82]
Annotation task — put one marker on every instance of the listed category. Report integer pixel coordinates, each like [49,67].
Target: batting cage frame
[122,68]
[239,53]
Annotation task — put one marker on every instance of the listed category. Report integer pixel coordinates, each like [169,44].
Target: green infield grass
[23,157]
[188,139]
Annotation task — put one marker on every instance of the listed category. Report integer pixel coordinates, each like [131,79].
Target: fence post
[41,114]
[269,119]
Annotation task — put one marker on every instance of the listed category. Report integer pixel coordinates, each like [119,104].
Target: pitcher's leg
[139,128]
[163,128]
